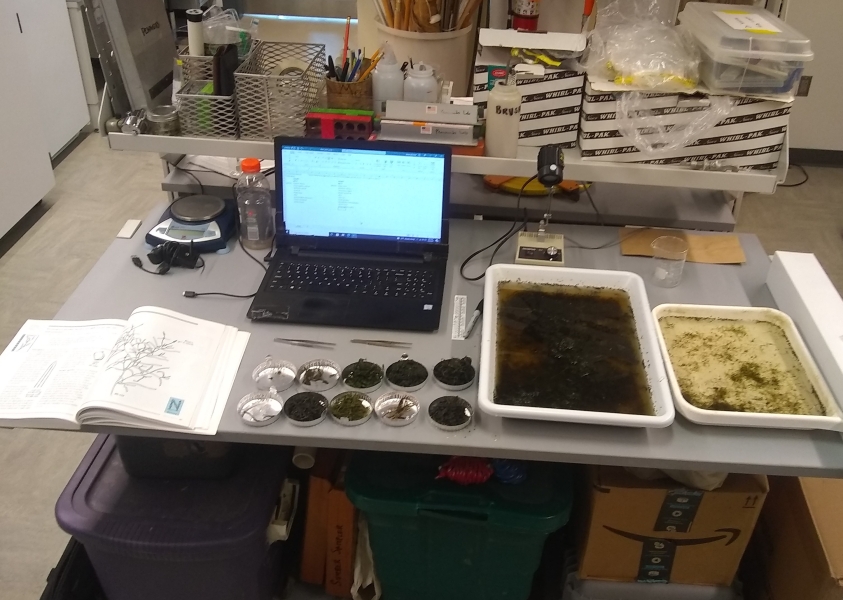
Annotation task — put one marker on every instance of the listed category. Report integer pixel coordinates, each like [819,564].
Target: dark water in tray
[569,347]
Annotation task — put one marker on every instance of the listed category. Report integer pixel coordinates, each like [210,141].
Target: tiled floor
[96,191]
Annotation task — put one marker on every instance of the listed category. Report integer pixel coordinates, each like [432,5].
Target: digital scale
[206,221]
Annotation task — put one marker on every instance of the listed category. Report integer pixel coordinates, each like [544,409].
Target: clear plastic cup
[669,254]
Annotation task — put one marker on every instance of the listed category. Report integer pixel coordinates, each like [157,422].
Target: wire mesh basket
[196,68]
[201,68]
[205,115]
[277,86]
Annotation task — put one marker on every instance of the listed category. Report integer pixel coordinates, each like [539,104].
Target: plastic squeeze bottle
[503,117]
[387,81]
[421,85]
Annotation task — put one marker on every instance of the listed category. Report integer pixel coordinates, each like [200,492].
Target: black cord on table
[593,205]
[500,241]
[574,243]
[803,182]
[192,294]
[191,175]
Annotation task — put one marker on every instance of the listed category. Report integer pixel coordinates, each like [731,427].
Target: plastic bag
[221,27]
[703,480]
[653,130]
[631,47]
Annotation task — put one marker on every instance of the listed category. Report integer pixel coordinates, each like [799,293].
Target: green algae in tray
[738,365]
[742,367]
[569,347]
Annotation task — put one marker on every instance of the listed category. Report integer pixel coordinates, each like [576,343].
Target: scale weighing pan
[206,221]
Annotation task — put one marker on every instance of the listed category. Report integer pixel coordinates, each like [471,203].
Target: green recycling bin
[433,539]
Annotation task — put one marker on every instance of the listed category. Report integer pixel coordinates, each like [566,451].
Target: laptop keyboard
[343,279]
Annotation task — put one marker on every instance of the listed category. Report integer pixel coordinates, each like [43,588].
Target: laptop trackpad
[323,307]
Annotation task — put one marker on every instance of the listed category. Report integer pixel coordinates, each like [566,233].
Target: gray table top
[114,288]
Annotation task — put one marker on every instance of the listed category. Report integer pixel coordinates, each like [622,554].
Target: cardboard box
[341,540]
[550,97]
[314,546]
[798,547]
[752,137]
[659,532]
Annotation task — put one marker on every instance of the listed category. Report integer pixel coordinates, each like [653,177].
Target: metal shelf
[524,165]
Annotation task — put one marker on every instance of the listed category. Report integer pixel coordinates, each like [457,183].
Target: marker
[474,318]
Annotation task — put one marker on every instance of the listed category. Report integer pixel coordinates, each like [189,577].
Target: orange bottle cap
[250,165]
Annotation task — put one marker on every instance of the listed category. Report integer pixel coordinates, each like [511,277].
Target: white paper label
[746,21]
[431,109]
[458,321]
[427,129]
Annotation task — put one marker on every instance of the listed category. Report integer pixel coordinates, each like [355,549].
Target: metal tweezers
[384,343]
[306,343]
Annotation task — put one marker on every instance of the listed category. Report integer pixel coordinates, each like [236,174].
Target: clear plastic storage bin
[746,50]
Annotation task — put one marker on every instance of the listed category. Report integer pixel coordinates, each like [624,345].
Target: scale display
[179,231]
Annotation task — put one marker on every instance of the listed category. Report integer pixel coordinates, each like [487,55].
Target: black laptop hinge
[427,256]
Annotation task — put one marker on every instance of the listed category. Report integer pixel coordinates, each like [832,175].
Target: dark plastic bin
[175,539]
[165,458]
[436,540]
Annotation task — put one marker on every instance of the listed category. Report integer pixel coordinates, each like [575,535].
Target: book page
[50,367]
[160,368]
[210,413]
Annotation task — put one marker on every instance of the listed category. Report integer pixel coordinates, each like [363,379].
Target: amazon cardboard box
[660,532]
[797,550]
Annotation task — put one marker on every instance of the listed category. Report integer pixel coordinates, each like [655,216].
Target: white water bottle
[387,81]
[503,118]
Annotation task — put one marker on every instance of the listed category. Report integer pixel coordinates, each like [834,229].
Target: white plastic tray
[719,417]
[633,285]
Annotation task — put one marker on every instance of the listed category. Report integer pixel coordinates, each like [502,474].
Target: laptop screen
[364,194]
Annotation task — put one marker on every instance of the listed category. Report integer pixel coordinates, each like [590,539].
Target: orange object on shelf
[341,540]
[314,546]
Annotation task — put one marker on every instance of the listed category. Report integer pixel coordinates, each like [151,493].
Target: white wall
[817,120]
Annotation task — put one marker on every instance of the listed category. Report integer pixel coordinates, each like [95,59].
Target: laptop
[362,235]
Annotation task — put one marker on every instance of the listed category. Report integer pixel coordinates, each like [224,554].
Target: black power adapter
[168,255]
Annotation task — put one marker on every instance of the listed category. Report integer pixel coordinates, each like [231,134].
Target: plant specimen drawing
[141,362]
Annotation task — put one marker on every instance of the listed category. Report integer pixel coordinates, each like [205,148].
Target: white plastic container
[503,120]
[449,52]
[420,84]
[739,419]
[387,81]
[746,50]
[630,283]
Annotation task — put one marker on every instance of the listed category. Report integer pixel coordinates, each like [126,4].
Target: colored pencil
[345,41]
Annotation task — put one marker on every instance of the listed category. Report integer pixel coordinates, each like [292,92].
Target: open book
[157,370]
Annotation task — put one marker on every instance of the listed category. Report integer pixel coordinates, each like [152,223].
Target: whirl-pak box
[751,137]
[550,97]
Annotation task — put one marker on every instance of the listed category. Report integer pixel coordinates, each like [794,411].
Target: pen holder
[356,94]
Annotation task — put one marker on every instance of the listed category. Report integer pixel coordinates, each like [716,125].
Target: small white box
[458,114]
[550,97]
[430,133]
[802,289]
